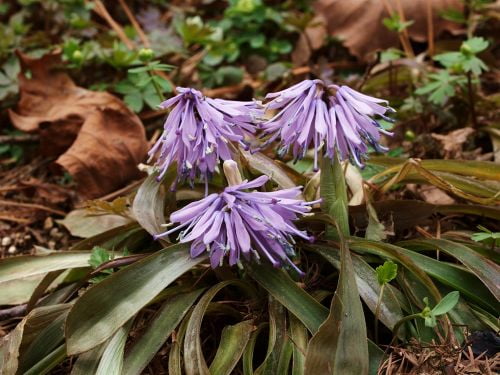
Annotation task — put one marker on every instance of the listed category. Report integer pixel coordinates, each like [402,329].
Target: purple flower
[312,113]
[236,223]
[198,131]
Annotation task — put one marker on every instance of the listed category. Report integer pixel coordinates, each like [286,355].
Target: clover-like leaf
[386,272]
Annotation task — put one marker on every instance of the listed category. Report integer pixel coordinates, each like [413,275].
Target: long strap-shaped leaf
[111,362]
[107,306]
[232,344]
[423,266]
[340,345]
[486,270]
[284,289]
[334,194]
[165,321]
[194,361]
[369,288]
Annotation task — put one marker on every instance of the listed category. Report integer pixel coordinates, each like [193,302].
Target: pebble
[6,241]
[12,250]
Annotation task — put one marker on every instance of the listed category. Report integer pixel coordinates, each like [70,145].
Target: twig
[430,28]
[19,138]
[32,205]
[136,24]
[14,219]
[404,42]
[472,104]
[101,10]
[405,30]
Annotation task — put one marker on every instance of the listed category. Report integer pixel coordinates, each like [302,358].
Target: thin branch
[136,24]
[430,28]
[101,10]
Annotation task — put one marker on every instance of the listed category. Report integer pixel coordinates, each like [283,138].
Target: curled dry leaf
[311,39]
[453,142]
[96,138]
[359,22]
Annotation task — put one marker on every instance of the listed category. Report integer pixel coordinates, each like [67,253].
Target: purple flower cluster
[198,131]
[312,113]
[236,223]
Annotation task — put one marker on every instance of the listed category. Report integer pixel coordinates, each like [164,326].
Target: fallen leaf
[50,193]
[453,142]
[99,141]
[359,22]
[310,40]
[82,223]
[434,195]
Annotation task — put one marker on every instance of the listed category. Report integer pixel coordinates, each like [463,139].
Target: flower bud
[146,54]
[77,57]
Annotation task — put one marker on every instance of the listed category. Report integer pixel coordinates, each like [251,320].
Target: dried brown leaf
[359,22]
[99,141]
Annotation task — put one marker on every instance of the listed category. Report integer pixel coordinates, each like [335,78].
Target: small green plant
[487,237]
[461,70]
[429,315]
[8,78]
[395,23]
[143,85]
[385,274]
[99,256]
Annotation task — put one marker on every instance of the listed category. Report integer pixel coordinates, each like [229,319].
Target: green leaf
[112,358]
[194,361]
[334,194]
[24,333]
[158,331]
[232,344]
[485,170]
[228,75]
[31,265]
[446,304]
[476,44]
[300,338]
[125,87]
[107,306]
[369,287]
[99,256]
[134,101]
[390,55]
[49,362]
[46,341]
[340,345]
[386,272]
[485,269]
[423,266]
[309,311]
[88,362]
[248,354]
[453,15]
[150,96]
[277,339]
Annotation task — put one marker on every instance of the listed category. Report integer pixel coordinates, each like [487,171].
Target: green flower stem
[156,85]
[334,195]
[400,322]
